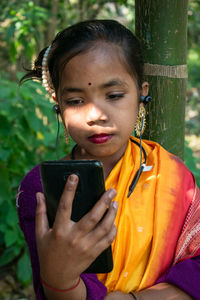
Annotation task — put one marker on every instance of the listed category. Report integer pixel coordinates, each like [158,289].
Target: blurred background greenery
[28,124]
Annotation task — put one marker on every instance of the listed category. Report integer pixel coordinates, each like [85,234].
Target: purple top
[185,275]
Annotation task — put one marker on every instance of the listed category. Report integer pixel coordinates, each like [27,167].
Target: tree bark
[161,26]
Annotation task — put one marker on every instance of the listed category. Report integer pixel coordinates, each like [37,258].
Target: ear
[145,89]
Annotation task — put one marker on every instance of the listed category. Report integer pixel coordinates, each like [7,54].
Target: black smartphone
[90,188]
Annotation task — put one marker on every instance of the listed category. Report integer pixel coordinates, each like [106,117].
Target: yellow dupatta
[149,222]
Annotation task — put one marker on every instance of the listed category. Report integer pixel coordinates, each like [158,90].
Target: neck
[108,161]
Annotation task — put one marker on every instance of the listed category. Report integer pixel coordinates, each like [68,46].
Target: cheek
[73,123]
[71,119]
[130,118]
[131,113]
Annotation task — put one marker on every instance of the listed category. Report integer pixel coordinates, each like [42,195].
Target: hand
[159,291]
[68,248]
[162,290]
[118,296]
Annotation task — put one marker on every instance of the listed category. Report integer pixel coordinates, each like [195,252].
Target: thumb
[41,221]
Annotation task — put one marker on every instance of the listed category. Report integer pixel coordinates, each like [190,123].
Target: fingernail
[38,198]
[114,204]
[112,193]
[73,178]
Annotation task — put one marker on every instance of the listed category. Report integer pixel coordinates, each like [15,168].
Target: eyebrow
[111,83]
[71,90]
[114,82]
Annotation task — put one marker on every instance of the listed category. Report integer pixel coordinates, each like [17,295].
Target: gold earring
[66,135]
[140,122]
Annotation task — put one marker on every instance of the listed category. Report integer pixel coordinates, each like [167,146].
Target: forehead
[102,59]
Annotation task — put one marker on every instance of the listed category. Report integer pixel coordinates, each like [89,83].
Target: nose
[95,115]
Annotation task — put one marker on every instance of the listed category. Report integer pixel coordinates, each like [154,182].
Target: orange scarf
[150,221]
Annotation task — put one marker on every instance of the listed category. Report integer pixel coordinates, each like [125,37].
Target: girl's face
[99,102]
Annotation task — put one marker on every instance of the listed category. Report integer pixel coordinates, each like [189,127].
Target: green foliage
[24,271]
[193,24]
[194,43]
[194,68]
[26,28]
[27,137]
[191,163]
[21,29]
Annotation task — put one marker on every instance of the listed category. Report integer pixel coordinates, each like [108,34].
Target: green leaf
[1,238]
[10,237]
[10,32]
[8,255]
[24,272]
[13,12]
[12,52]
[6,129]
[11,218]
[2,227]
[4,154]
[33,120]
[5,191]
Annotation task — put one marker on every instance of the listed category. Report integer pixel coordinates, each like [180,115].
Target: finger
[91,219]
[41,220]
[105,225]
[106,241]
[65,205]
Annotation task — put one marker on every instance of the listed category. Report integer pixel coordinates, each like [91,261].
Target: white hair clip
[46,79]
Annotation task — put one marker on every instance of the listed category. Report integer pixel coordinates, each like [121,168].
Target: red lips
[100,138]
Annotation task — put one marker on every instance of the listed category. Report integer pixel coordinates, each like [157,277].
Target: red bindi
[89,83]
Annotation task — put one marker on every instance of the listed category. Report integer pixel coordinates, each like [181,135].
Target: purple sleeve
[186,276]
[95,289]
[26,203]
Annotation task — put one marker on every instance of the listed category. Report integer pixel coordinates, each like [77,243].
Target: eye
[74,102]
[115,96]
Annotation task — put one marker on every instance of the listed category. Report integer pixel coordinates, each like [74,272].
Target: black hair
[83,36]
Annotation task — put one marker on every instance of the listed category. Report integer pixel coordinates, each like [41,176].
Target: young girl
[94,71]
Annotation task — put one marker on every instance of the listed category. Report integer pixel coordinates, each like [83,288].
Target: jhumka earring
[66,135]
[140,122]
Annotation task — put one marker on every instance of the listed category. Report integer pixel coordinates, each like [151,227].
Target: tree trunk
[161,26]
